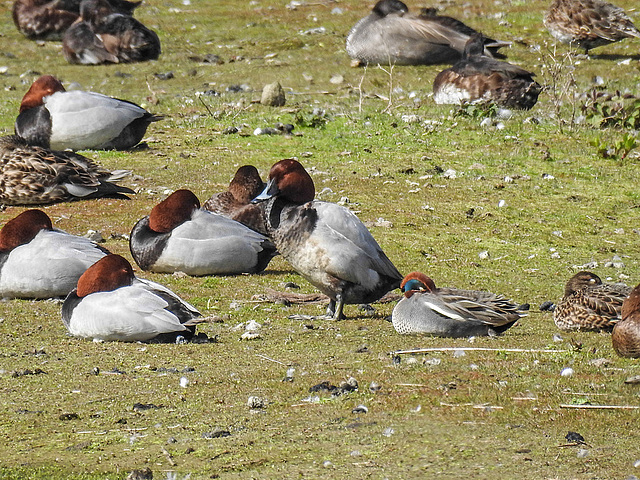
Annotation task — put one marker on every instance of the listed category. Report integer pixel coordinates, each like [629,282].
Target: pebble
[184,382]
[256,402]
[484,255]
[94,236]
[360,409]
[387,432]
[547,306]
[583,453]
[273,95]
[566,372]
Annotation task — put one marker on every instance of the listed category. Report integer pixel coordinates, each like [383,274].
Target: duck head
[581,280]
[92,11]
[43,87]
[416,282]
[174,210]
[23,228]
[246,184]
[386,7]
[631,304]
[288,179]
[474,46]
[107,274]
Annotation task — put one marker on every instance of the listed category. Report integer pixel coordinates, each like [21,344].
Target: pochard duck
[450,312]
[38,261]
[589,304]
[477,77]
[235,202]
[391,35]
[626,333]
[51,117]
[102,35]
[32,175]
[111,304]
[179,236]
[588,23]
[324,242]
[49,19]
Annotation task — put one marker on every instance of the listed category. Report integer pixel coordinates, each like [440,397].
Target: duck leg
[334,311]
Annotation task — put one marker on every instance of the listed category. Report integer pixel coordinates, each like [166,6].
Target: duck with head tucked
[477,77]
[391,35]
[450,312]
[52,117]
[588,23]
[34,176]
[625,337]
[39,261]
[589,304]
[235,202]
[179,236]
[324,242]
[111,304]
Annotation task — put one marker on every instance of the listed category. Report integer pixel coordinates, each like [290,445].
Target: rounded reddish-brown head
[246,184]
[43,87]
[174,210]
[292,181]
[107,274]
[631,304]
[417,282]
[23,228]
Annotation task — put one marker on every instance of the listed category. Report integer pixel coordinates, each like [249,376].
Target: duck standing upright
[179,236]
[38,261]
[391,35]
[478,77]
[51,117]
[450,312]
[324,242]
[625,336]
[111,304]
[588,23]
[589,304]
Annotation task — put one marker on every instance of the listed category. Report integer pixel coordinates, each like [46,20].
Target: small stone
[557,338]
[94,236]
[459,353]
[387,432]
[360,409]
[583,453]
[273,95]
[635,380]
[336,79]
[484,255]
[184,382]
[547,306]
[374,387]
[255,402]
[566,372]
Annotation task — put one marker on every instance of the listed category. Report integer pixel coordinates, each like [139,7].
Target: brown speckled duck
[33,175]
[588,23]
[626,333]
[477,77]
[589,304]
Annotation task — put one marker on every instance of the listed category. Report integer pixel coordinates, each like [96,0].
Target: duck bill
[270,191]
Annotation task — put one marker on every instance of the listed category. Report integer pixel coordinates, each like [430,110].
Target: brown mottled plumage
[589,304]
[32,175]
[588,23]
[626,333]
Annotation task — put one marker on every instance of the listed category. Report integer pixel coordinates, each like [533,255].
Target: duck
[625,336]
[52,117]
[235,202]
[110,303]
[450,312]
[49,19]
[477,77]
[588,24]
[102,35]
[36,176]
[324,242]
[179,236]
[38,261]
[589,304]
[392,35]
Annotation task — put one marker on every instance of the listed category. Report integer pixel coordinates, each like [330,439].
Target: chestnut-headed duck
[391,35]
[450,312]
[588,23]
[111,304]
[52,117]
[38,261]
[49,19]
[179,236]
[102,35]
[589,304]
[235,202]
[626,333]
[324,242]
[477,77]
[35,176]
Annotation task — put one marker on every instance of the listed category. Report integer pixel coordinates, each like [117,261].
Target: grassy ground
[384,145]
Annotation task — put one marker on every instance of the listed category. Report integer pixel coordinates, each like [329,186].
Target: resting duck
[32,175]
[588,23]
[235,202]
[391,35]
[324,242]
[589,304]
[449,312]
[111,304]
[478,77]
[49,19]
[626,333]
[102,35]
[38,261]
[51,117]
[179,236]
